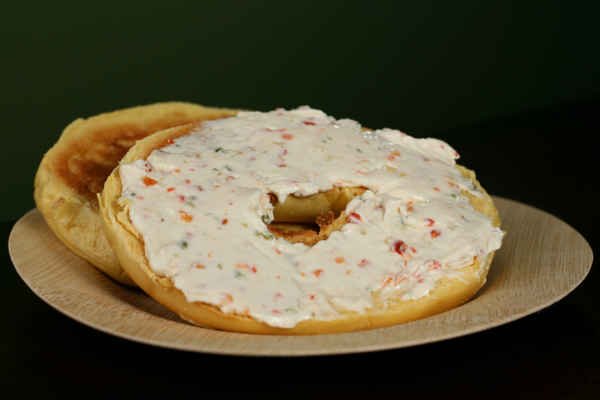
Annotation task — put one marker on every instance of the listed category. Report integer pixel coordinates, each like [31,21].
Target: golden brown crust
[129,247]
[73,171]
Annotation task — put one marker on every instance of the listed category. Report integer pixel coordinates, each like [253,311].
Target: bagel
[403,232]
[73,171]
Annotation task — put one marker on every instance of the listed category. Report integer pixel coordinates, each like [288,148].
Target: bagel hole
[309,219]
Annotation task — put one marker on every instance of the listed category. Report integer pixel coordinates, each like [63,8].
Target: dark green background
[428,68]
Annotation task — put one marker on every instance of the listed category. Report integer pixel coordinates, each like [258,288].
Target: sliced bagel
[129,246]
[73,171]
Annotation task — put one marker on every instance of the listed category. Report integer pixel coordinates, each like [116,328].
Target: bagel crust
[73,171]
[388,302]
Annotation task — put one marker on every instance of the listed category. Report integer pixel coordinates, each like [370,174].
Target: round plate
[542,259]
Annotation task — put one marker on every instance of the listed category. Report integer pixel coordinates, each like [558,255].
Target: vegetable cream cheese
[201,204]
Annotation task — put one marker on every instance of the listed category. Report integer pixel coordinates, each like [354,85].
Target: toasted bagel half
[128,245]
[73,171]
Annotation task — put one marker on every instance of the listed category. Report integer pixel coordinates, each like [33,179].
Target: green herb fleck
[183,244]
[218,149]
[239,274]
[265,219]
[359,150]
[291,310]
[220,266]
[228,168]
[264,235]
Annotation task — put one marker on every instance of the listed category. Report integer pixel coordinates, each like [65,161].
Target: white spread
[201,204]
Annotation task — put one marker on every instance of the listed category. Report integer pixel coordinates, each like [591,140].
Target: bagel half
[73,171]
[129,248]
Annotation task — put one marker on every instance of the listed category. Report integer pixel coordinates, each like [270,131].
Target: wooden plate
[542,260]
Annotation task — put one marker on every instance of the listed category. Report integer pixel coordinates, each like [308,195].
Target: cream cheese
[201,204]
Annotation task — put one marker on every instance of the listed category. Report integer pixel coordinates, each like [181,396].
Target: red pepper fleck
[436,264]
[224,221]
[399,279]
[393,155]
[185,217]
[253,269]
[363,263]
[170,189]
[187,181]
[400,247]
[170,141]
[354,218]
[409,206]
[275,311]
[287,136]
[429,221]
[437,189]
[307,122]
[312,296]
[413,249]
[177,170]
[435,233]
[317,272]
[149,181]
[181,198]
[200,266]
[340,260]
[387,281]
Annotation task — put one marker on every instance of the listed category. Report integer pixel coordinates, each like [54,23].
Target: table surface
[544,158]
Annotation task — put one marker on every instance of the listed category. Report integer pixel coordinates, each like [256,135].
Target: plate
[542,259]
